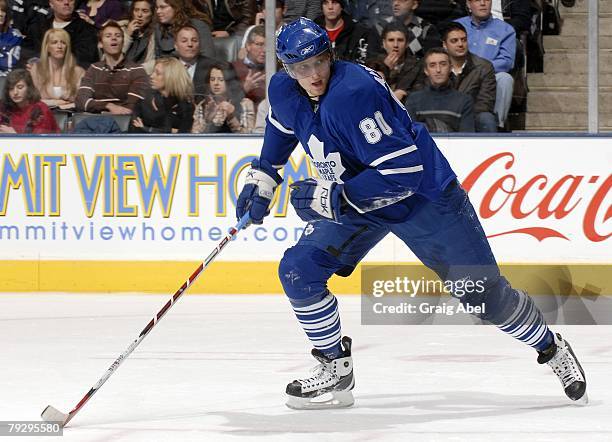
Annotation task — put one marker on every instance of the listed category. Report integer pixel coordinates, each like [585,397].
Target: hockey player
[378,173]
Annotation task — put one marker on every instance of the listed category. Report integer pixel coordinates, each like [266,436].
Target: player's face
[395,41]
[456,44]
[437,69]
[481,9]
[404,7]
[256,49]
[332,10]
[187,44]
[312,74]
[112,41]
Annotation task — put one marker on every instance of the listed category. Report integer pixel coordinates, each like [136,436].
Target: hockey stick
[52,414]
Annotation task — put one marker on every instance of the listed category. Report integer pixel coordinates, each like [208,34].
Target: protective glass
[307,68]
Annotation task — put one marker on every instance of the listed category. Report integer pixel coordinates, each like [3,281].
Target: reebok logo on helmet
[307,50]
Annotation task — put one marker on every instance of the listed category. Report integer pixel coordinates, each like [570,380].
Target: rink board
[131,214]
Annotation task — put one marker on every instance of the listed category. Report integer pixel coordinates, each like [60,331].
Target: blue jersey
[10,49]
[360,135]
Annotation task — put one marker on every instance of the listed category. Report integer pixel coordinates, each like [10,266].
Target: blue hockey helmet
[300,40]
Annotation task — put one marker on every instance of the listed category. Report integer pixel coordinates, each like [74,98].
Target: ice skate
[561,358]
[329,386]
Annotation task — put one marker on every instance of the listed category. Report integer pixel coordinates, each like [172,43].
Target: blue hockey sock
[320,319]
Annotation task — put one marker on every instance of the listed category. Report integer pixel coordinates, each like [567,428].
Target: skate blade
[584,400]
[334,399]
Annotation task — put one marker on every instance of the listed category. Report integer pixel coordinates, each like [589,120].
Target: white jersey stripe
[350,203]
[277,125]
[392,155]
[412,169]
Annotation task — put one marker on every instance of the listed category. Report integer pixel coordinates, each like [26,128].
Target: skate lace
[564,367]
[320,375]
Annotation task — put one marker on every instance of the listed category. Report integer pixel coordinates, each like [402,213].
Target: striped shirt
[124,84]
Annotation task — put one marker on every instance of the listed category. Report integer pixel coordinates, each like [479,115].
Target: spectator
[172,15]
[231,17]
[167,107]
[98,12]
[138,36]
[82,34]
[349,39]
[21,110]
[374,14]
[493,40]
[473,76]
[113,85]
[260,19]
[224,110]
[10,40]
[439,106]
[405,72]
[251,71]
[301,8]
[24,10]
[279,12]
[422,35]
[56,75]
[187,46]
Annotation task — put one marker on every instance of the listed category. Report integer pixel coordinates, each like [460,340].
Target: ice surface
[215,368]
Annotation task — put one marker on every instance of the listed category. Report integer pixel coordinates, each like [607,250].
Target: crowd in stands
[169,66]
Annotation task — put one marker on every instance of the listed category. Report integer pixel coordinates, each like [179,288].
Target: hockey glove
[258,191]
[315,199]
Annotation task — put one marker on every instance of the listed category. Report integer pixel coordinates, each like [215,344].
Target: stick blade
[52,414]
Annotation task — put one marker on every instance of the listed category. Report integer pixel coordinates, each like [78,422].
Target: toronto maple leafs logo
[309,229]
[329,166]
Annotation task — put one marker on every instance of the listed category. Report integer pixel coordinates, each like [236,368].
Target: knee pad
[304,271]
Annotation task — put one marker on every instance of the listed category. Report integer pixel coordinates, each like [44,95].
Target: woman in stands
[21,110]
[138,35]
[10,40]
[167,107]
[171,16]
[56,75]
[224,109]
[98,12]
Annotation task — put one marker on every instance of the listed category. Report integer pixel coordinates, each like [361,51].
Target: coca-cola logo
[556,199]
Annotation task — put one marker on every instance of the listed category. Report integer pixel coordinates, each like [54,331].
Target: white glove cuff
[321,198]
[265,183]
